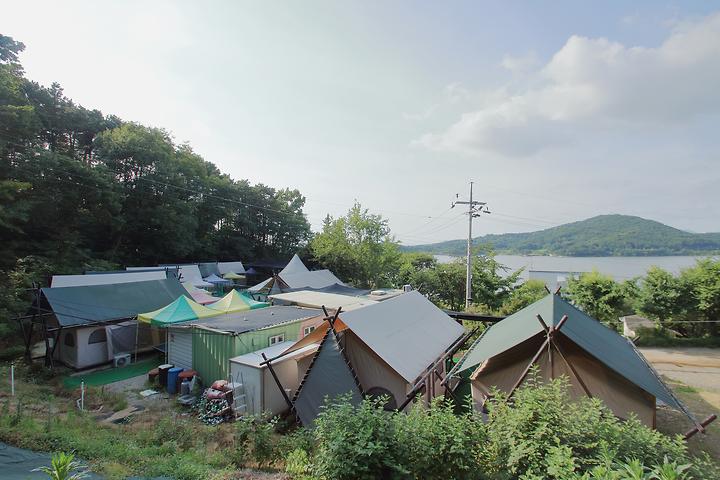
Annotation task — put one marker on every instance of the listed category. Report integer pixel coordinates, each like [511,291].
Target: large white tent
[188,273]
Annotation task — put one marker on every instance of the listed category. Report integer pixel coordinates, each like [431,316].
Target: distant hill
[604,235]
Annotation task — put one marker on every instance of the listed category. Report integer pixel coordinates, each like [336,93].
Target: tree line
[83,190]
[359,248]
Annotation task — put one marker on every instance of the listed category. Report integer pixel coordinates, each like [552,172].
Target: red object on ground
[219,385]
[153,374]
[185,374]
[215,394]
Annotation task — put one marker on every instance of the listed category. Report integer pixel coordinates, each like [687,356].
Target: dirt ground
[694,375]
[696,367]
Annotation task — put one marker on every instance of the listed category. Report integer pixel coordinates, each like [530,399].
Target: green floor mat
[110,375]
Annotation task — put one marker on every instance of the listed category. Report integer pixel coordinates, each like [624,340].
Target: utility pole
[475,209]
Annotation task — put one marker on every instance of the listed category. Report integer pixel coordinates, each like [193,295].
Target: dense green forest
[604,235]
[83,190]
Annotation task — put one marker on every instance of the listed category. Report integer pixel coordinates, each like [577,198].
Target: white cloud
[520,64]
[596,83]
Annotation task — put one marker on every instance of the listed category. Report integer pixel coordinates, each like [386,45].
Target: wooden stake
[690,433]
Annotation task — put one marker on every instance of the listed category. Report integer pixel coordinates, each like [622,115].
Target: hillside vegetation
[604,235]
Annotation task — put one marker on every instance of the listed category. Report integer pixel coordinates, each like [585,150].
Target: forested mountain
[604,235]
[81,189]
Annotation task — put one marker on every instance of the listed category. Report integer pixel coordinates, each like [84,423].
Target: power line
[475,209]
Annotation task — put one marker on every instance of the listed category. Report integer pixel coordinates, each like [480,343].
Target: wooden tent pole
[48,353]
[277,381]
[572,369]
[137,336]
[527,369]
[690,433]
[27,337]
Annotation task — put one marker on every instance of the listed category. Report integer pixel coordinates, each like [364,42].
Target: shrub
[524,434]
[435,443]
[541,433]
[297,464]
[255,438]
[354,443]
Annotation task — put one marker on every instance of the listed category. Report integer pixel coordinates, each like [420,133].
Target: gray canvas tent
[395,348]
[73,319]
[106,278]
[562,340]
[328,377]
[295,275]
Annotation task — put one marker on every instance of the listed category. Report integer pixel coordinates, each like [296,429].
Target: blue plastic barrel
[172,379]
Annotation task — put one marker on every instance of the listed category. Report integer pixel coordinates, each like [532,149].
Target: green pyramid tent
[181,310]
[562,340]
[235,302]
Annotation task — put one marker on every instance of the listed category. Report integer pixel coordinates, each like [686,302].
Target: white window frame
[275,339]
[308,330]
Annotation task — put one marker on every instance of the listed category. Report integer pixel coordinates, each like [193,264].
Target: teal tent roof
[183,309]
[606,345]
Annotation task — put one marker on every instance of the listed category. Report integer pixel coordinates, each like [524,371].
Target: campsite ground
[694,375]
[121,449]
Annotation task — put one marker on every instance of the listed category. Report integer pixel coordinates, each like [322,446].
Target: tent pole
[27,337]
[572,369]
[527,369]
[56,340]
[277,381]
[48,353]
[411,396]
[137,336]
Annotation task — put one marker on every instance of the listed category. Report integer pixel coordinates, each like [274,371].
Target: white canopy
[313,299]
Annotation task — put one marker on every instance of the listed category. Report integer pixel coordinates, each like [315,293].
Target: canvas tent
[336,288]
[74,318]
[328,377]
[188,273]
[294,266]
[393,347]
[231,267]
[260,391]
[106,279]
[183,309]
[215,280]
[235,301]
[198,294]
[562,340]
[315,299]
[295,275]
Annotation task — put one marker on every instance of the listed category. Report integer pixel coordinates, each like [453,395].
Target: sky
[557,111]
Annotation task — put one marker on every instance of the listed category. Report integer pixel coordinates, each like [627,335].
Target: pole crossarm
[475,209]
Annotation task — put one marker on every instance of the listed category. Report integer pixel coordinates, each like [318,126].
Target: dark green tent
[562,340]
[86,305]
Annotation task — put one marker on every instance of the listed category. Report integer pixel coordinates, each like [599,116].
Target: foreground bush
[538,434]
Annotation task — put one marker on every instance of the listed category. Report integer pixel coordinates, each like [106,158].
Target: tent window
[69,340]
[307,330]
[377,392]
[97,336]
[276,339]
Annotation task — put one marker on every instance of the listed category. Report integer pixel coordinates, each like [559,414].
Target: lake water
[620,268]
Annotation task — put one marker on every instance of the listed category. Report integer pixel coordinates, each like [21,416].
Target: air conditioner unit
[121,360]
